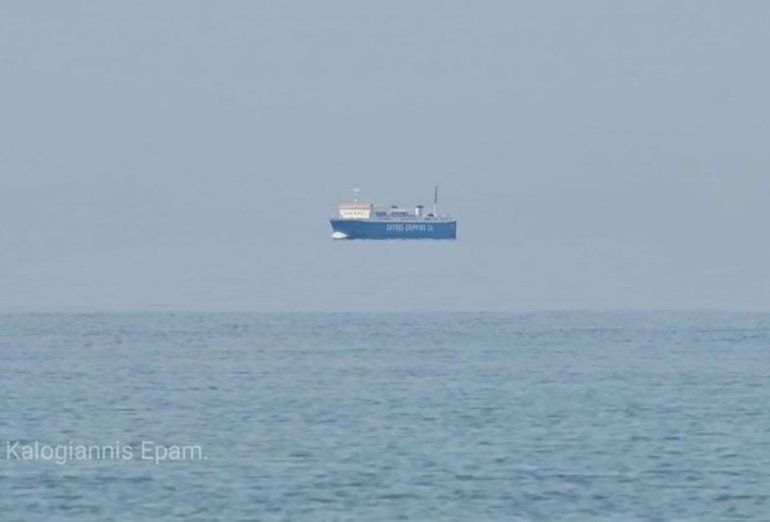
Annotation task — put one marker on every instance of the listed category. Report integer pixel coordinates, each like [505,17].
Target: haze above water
[174,155]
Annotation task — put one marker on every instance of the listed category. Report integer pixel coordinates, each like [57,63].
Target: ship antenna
[435,201]
[355,194]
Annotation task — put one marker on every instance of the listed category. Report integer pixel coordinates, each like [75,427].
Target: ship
[359,220]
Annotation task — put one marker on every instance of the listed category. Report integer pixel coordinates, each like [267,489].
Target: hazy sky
[187,155]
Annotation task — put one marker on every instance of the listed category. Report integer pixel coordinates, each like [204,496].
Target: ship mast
[435,201]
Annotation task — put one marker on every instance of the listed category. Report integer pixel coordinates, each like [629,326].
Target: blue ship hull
[374,229]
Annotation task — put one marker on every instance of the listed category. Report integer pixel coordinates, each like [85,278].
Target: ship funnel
[418,211]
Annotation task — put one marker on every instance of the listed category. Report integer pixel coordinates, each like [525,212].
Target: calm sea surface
[468,417]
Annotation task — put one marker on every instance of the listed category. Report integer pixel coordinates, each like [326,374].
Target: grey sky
[183,154]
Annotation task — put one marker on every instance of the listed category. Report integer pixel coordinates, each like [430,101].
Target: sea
[549,416]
